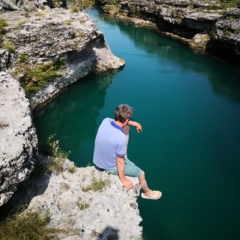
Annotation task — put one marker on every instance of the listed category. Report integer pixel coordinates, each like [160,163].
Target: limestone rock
[12,5]
[200,41]
[8,5]
[101,214]
[18,141]
[187,18]
[58,35]
[228,29]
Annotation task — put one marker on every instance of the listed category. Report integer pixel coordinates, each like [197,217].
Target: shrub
[35,78]
[97,184]
[29,225]
[54,149]
[57,155]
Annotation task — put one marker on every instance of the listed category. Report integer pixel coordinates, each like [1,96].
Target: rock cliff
[183,19]
[41,38]
[59,36]
[18,140]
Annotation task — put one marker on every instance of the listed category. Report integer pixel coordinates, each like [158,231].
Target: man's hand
[137,125]
[127,183]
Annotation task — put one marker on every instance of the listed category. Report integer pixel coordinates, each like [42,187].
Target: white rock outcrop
[56,35]
[18,139]
[110,213]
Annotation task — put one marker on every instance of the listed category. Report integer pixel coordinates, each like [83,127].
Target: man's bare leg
[147,191]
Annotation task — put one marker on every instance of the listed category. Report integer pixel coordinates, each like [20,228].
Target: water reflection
[69,114]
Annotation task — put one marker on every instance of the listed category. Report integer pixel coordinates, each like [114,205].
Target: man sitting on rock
[111,146]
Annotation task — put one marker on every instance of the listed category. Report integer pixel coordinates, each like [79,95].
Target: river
[189,106]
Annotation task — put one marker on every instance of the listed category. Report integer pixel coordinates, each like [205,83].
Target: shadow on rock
[35,185]
[108,233]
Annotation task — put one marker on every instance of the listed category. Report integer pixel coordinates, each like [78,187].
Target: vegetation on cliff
[28,225]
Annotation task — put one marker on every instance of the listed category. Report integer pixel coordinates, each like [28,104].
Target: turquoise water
[189,106]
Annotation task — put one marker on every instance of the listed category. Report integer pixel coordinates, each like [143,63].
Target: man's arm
[120,168]
[136,125]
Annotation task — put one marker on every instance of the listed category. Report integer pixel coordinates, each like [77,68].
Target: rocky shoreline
[209,26]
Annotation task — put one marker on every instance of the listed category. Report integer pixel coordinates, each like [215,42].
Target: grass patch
[68,22]
[97,184]
[7,44]
[26,226]
[56,165]
[230,3]
[23,58]
[79,5]
[3,24]
[83,205]
[35,78]
[72,169]
[22,23]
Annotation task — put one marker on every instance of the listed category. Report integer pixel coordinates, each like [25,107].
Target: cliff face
[186,18]
[40,39]
[18,140]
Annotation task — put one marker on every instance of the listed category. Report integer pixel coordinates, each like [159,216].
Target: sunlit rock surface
[56,35]
[18,140]
[108,213]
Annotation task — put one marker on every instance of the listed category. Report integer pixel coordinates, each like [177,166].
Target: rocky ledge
[80,212]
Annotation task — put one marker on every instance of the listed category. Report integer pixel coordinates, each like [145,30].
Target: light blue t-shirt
[110,142]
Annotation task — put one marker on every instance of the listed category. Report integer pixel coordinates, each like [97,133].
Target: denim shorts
[131,169]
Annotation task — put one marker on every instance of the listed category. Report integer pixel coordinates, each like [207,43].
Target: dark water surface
[189,106]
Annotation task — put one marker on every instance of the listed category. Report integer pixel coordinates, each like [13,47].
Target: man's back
[109,143]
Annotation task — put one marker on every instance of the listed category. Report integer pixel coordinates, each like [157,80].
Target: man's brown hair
[123,112]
